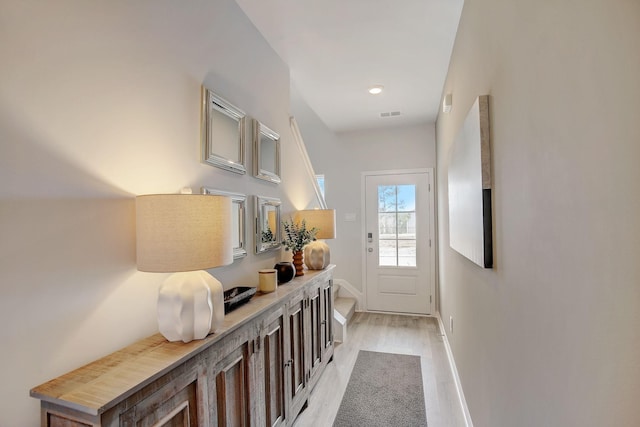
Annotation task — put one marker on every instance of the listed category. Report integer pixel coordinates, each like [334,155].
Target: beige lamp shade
[322,219]
[317,254]
[183,232]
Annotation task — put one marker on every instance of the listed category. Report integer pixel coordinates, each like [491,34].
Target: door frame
[432,228]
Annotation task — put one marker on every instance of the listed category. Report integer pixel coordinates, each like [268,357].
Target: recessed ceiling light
[374,90]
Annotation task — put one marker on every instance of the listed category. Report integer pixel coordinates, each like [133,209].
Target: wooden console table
[258,369]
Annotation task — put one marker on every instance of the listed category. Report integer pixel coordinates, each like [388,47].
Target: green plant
[297,235]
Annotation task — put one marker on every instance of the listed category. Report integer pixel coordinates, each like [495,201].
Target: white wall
[99,102]
[549,336]
[342,158]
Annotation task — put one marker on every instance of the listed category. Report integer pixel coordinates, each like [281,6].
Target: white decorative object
[185,234]
[317,254]
[190,306]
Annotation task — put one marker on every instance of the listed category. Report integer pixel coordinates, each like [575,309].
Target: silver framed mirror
[267,224]
[238,215]
[266,153]
[222,133]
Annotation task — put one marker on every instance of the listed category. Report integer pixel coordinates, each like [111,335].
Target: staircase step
[345,306]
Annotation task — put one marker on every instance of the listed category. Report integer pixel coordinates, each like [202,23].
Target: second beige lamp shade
[317,255]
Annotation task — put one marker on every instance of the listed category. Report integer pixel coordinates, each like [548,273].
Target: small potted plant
[295,237]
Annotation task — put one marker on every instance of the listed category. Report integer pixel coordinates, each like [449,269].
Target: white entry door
[398,241]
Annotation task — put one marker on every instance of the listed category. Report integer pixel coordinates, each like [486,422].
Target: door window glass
[397,225]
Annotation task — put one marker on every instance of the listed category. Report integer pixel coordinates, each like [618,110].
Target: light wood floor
[388,333]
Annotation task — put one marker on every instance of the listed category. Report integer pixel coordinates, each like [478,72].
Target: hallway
[415,335]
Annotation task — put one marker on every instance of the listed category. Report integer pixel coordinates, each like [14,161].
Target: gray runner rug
[384,390]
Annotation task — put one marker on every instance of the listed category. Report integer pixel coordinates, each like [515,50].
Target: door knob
[370,250]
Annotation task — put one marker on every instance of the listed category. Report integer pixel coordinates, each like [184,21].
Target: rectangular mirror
[238,209]
[267,221]
[266,153]
[222,133]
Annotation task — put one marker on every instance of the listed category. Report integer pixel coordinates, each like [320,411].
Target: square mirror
[267,220]
[266,153]
[222,133]
[238,209]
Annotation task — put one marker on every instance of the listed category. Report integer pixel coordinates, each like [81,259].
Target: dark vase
[285,271]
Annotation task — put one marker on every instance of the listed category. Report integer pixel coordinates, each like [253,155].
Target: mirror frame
[261,246]
[210,103]
[258,131]
[241,201]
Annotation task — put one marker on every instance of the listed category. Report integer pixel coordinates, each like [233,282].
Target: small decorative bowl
[286,272]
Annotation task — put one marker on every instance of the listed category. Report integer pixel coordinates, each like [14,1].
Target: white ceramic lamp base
[316,255]
[190,306]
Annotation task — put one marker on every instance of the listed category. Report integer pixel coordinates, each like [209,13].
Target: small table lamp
[185,234]
[316,253]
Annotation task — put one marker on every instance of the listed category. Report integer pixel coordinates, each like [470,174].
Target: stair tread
[345,306]
[344,301]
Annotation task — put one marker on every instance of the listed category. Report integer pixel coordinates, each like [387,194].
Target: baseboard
[454,372]
[399,314]
[353,292]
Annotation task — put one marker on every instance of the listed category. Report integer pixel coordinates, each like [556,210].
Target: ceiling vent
[390,114]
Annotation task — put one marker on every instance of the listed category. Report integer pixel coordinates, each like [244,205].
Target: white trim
[400,314]
[297,136]
[454,372]
[339,327]
[432,230]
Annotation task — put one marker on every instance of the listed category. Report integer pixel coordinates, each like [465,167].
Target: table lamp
[185,234]
[317,253]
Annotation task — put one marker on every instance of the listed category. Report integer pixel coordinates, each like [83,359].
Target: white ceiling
[336,49]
